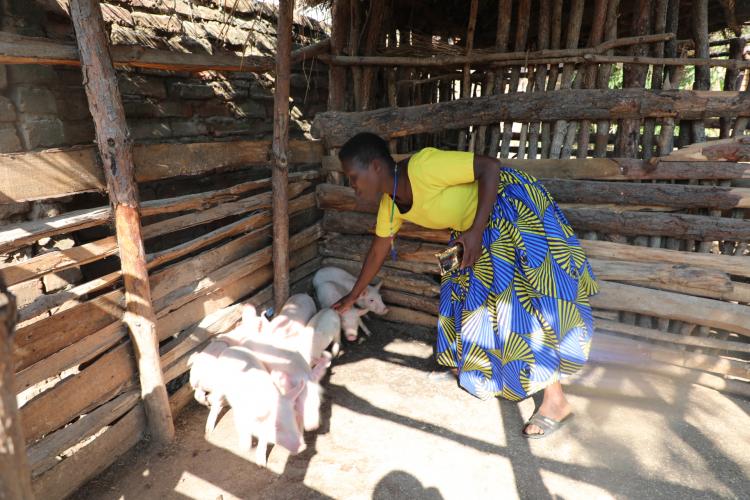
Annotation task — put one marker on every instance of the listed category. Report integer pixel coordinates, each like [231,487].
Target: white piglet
[294,315]
[370,299]
[264,405]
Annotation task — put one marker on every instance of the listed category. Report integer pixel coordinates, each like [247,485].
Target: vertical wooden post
[280,174]
[337,74]
[469,45]
[116,152]
[502,36]
[15,478]
[373,33]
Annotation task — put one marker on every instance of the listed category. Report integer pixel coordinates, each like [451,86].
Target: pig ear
[380,283]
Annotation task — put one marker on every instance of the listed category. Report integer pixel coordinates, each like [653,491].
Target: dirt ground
[391,432]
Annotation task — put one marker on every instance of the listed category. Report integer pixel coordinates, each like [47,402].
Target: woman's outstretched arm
[373,262]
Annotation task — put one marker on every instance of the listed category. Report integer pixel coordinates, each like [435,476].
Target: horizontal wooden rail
[61,172]
[335,127]
[17,49]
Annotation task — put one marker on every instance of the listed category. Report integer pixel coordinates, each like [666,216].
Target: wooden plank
[74,354]
[17,49]
[404,315]
[200,201]
[61,172]
[43,455]
[14,467]
[566,104]
[392,278]
[705,228]
[360,223]
[607,349]
[411,301]
[681,196]
[58,260]
[256,202]
[651,334]
[49,335]
[16,235]
[178,296]
[697,310]
[618,251]
[105,378]
[73,472]
[691,227]
[615,169]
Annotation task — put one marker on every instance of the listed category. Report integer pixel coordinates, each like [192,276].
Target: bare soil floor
[390,432]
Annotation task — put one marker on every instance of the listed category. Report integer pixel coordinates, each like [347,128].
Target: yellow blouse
[444,193]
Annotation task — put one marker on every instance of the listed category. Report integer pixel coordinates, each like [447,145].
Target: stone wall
[44,106]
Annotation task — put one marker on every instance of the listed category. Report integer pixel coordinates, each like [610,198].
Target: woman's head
[368,164]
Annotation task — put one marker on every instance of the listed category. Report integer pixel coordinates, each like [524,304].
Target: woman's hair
[365,147]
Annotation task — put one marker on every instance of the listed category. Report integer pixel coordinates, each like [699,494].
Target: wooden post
[280,175]
[15,478]
[116,151]
[468,46]
[337,74]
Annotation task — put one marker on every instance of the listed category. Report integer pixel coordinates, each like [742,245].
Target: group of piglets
[269,372]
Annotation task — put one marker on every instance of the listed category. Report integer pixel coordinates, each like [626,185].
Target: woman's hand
[344,304]
[472,243]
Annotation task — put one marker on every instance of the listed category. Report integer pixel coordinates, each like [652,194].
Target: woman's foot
[554,406]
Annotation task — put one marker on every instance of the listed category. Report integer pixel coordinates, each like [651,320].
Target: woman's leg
[554,406]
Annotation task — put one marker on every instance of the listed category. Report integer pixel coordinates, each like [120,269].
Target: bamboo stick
[115,149]
[14,468]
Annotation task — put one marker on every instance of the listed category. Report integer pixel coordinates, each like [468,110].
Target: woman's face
[364,180]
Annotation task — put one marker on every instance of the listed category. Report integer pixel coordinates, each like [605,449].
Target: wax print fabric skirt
[519,319]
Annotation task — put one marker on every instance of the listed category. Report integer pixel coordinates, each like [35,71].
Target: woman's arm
[373,262]
[487,175]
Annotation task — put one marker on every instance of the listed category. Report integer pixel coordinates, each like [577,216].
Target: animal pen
[169,199]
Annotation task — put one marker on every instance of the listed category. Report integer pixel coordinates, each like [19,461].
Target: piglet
[322,330]
[328,294]
[293,316]
[369,299]
[264,404]
[205,378]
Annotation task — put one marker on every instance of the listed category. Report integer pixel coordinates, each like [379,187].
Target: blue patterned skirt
[519,319]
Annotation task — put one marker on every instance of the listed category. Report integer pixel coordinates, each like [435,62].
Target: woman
[515,317]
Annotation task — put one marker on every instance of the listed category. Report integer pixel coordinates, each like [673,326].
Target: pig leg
[213,416]
[364,328]
[261,452]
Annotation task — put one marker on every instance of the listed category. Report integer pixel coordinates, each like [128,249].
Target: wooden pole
[15,478]
[469,45]
[337,74]
[280,175]
[116,151]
